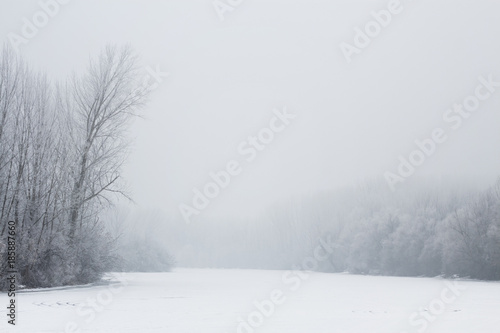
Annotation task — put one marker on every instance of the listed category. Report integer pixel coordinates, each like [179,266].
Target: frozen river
[227,301]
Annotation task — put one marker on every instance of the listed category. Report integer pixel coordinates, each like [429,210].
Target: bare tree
[101,104]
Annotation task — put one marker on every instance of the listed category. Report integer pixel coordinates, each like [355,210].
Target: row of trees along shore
[428,227]
[62,146]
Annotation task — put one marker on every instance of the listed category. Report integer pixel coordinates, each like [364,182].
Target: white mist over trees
[141,242]
[62,147]
[420,230]
[61,151]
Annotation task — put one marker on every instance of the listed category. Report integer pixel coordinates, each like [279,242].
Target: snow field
[244,301]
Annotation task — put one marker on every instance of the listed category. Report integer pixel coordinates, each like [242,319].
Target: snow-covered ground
[220,301]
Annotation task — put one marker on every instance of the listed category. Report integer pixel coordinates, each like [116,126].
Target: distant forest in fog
[429,229]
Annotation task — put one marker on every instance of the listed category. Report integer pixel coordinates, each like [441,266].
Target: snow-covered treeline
[421,230]
[61,150]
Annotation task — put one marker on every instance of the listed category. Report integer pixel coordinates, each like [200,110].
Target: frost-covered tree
[61,151]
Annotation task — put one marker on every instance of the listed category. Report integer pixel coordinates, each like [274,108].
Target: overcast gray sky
[352,120]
